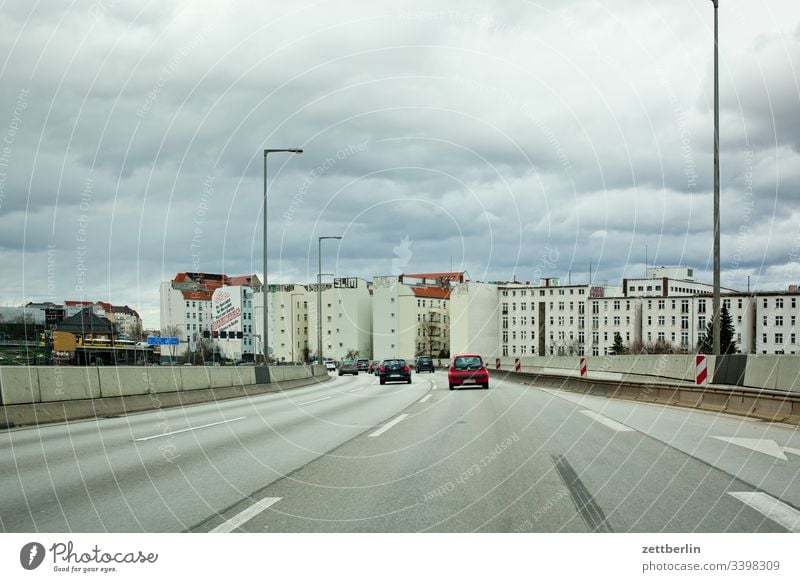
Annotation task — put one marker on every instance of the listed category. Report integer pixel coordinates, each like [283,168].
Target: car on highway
[424,364]
[394,370]
[330,366]
[348,367]
[467,369]
[362,364]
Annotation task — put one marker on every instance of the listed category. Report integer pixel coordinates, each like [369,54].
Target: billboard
[227,311]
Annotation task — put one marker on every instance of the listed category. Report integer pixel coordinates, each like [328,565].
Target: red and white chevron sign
[517,366]
[497,364]
[701,371]
[583,367]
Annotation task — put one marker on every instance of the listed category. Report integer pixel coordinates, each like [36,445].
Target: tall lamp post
[265,287]
[319,294]
[717,321]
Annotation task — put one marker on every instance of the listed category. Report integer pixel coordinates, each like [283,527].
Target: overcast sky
[509,138]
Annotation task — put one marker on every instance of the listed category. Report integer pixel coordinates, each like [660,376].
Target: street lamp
[319,294]
[265,343]
[717,320]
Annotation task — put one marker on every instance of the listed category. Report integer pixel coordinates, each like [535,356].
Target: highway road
[351,455]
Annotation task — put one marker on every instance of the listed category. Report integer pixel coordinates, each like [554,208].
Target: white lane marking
[773,508]
[245,515]
[612,424]
[388,425]
[313,401]
[188,429]
[357,389]
[426,397]
[764,446]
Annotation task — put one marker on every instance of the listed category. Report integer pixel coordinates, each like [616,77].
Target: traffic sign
[162,341]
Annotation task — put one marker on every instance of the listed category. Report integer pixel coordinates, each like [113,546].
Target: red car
[467,369]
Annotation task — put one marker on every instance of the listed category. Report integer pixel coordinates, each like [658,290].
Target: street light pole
[319,293]
[717,321]
[264,286]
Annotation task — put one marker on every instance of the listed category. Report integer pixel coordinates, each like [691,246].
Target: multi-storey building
[411,315]
[290,322]
[186,309]
[474,319]
[776,322]
[347,313]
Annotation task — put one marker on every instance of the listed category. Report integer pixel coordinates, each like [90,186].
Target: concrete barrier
[788,377]
[19,385]
[122,381]
[58,384]
[195,377]
[760,372]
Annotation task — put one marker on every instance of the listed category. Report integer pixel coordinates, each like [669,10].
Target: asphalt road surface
[351,455]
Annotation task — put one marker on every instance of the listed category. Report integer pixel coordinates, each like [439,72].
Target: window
[779,320]
[701,306]
[778,338]
[779,303]
[662,304]
[765,302]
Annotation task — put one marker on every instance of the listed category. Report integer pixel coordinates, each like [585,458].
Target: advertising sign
[345,283]
[227,311]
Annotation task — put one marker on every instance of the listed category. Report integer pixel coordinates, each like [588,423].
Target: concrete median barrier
[19,385]
[194,378]
[788,377]
[58,384]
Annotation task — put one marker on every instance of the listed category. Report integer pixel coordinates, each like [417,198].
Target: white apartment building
[607,317]
[289,332]
[776,322]
[411,315]
[474,319]
[347,311]
[185,305]
[549,319]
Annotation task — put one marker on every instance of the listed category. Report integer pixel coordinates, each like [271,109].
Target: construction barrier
[583,367]
[517,365]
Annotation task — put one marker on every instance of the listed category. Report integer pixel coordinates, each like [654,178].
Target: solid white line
[313,401]
[612,424]
[246,515]
[773,508]
[357,389]
[426,397]
[388,425]
[188,429]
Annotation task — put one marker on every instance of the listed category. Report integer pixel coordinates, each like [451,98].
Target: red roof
[458,276]
[431,292]
[78,303]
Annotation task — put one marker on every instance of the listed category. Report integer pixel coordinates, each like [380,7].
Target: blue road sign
[162,341]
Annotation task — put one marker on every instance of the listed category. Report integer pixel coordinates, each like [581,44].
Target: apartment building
[289,332]
[411,314]
[186,307]
[347,312]
[776,322]
[474,319]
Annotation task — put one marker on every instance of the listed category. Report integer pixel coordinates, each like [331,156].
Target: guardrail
[765,404]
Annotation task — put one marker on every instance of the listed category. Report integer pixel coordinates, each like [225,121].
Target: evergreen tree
[618,348]
[726,335]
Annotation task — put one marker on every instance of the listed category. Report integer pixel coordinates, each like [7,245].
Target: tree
[618,348]
[171,331]
[727,333]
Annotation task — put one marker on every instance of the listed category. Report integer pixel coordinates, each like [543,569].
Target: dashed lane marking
[246,515]
[156,436]
[605,421]
[388,425]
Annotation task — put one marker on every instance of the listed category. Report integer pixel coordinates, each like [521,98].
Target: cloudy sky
[512,138]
